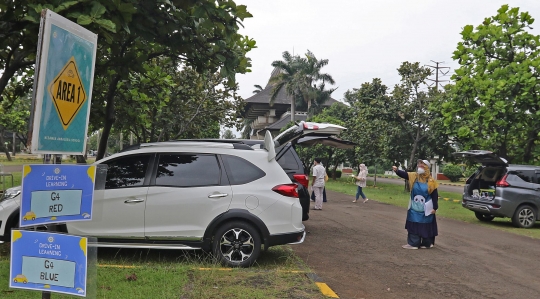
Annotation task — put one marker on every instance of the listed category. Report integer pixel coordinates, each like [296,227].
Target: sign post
[63,86]
[62,93]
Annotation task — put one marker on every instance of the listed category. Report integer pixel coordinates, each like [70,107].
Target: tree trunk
[531,138]
[3,146]
[109,118]
[293,108]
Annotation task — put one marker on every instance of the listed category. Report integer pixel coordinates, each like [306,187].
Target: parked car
[288,158]
[499,189]
[228,197]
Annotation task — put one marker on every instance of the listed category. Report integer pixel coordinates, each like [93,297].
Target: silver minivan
[499,189]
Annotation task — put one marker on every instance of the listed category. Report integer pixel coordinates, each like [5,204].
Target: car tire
[237,244]
[524,217]
[484,217]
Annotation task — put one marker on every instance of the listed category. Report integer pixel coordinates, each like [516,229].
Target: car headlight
[10,193]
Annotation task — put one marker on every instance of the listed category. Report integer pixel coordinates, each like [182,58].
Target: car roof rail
[131,147]
[216,143]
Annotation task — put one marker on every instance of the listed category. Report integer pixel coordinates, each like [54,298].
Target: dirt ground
[356,249]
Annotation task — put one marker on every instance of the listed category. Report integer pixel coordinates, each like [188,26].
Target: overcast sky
[362,39]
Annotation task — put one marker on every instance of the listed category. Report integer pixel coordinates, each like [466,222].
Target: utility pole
[438,69]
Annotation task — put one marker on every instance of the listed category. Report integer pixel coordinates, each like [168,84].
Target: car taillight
[502,182]
[286,190]
[310,126]
[302,179]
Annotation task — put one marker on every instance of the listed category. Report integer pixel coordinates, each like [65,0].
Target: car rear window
[241,171]
[187,170]
[287,160]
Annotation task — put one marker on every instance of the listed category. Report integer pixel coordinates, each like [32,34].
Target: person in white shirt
[317,183]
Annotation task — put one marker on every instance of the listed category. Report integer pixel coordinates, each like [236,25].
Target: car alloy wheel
[237,244]
[525,216]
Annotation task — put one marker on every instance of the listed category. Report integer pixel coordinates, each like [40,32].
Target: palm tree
[288,67]
[258,88]
[310,75]
[300,76]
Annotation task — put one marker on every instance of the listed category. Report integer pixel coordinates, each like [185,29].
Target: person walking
[421,223]
[360,182]
[317,184]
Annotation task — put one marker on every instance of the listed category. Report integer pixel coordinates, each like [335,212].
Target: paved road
[356,250]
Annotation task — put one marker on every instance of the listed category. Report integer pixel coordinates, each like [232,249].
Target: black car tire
[524,217]
[237,244]
[484,217]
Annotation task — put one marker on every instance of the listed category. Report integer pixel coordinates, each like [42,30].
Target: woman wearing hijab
[421,223]
[361,183]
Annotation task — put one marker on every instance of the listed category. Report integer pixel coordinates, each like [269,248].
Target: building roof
[259,103]
[285,119]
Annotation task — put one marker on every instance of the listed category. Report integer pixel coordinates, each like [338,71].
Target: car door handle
[135,200]
[217,195]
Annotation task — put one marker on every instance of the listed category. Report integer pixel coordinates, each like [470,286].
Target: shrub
[338,174]
[453,172]
[469,171]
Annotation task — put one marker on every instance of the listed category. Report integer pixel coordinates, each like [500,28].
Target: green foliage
[469,171]
[453,172]
[163,103]
[202,35]
[495,102]
[228,134]
[302,80]
[380,169]
[338,174]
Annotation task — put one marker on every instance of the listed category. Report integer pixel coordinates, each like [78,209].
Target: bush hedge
[453,172]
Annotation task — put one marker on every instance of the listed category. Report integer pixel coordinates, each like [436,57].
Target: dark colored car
[499,189]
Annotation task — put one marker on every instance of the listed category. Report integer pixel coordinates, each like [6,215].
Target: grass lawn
[130,273]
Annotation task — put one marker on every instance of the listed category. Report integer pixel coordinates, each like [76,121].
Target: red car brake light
[286,190]
[310,127]
[302,179]
[502,182]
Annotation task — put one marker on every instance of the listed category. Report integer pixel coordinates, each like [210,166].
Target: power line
[439,69]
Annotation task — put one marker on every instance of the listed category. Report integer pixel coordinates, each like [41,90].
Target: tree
[495,103]
[228,134]
[288,67]
[258,88]
[308,77]
[14,114]
[302,79]
[163,104]
[202,34]
[413,108]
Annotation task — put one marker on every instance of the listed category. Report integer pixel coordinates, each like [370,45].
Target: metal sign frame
[53,193]
[60,42]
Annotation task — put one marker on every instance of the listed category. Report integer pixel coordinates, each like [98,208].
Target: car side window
[526,175]
[241,171]
[127,171]
[287,160]
[188,170]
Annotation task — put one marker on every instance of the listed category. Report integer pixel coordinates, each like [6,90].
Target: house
[272,118]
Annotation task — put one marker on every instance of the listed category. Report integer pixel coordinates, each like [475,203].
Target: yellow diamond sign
[67,93]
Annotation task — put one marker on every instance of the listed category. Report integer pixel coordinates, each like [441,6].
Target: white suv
[227,197]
